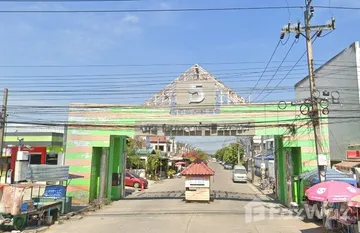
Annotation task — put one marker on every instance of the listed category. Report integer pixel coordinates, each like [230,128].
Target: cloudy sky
[125,58]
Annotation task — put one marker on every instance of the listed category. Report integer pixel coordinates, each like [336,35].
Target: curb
[257,190]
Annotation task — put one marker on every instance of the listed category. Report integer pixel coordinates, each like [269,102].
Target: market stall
[197,182]
[334,197]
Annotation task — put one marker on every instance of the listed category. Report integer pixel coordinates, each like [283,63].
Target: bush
[170,173]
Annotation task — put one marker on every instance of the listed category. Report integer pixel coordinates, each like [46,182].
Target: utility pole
[3,120]
[262,158]
[252,159]
[314,111]
[238,151]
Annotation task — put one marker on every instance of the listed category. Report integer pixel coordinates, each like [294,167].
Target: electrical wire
[286,55]
[263,124]
[268,63]
[149,10]
[277,85]
[148,65]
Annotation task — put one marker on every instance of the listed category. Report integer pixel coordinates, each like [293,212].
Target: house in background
[161,143]
[338,81]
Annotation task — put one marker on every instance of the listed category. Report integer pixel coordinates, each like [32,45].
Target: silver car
[228,166]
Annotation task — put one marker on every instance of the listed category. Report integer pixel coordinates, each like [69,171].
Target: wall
[47,139]
[341,73]
[116,120]
[79,155]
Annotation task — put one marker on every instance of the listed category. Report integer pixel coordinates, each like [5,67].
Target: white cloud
[131,19]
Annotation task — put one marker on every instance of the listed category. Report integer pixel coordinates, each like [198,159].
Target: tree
[133,160]
[194,155]
[230,153]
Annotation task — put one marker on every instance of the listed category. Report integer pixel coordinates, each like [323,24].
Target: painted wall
[341,73]
[35,139]
[117,120]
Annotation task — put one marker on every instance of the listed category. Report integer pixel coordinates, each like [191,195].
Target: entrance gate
[183,109]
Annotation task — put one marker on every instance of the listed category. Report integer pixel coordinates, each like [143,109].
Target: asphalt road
[161,209]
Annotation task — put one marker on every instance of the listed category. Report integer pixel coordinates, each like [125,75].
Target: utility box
[21,166]
[22,156]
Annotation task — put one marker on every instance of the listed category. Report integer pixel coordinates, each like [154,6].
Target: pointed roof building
[167,95]
[198,169]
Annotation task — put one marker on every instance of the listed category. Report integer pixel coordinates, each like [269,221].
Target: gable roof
[166,96]
[162,139]
[198,169]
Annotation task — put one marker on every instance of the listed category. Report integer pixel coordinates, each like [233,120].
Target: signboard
[195,94]
[6,152]
[353,154]
[195,129]
[195,97]
[322,160]
[197,181]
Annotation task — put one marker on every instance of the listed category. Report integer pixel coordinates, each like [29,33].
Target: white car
[239,174]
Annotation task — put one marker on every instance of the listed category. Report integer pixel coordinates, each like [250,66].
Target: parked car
[239,174]
[228,166]
[135,181]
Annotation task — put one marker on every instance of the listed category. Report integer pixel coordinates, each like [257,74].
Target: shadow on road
[128,192]
[313,230]
[215,195]
[171,212]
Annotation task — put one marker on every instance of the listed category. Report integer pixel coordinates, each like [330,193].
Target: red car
[135,180]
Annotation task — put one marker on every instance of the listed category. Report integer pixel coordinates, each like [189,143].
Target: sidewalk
[255,186]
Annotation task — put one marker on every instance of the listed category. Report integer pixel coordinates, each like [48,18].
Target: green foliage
[153,164]
[171,172]
[230,153]
[133,160]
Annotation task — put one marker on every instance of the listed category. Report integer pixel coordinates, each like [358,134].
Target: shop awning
[347,165]
[331,174]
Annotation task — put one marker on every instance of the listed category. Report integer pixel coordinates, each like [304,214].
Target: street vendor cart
[16,213]
[197,182]
[39,200]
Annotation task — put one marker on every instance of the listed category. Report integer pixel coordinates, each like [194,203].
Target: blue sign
[55,191]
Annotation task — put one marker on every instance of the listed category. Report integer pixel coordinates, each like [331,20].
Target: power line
[149,10]
[147,65]
[286,55]
[268,63]
[339,7]
[70,1]
[134,65]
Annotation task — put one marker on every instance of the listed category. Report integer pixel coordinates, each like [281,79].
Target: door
[289,172]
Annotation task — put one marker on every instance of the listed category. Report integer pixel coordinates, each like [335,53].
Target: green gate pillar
[116,172]
[281,169]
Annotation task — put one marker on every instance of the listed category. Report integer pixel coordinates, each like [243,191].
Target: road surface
[160,209]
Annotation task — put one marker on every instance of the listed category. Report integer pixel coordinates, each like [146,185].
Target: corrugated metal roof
[347,165]
[330,174]
[198,169]
[48,173]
